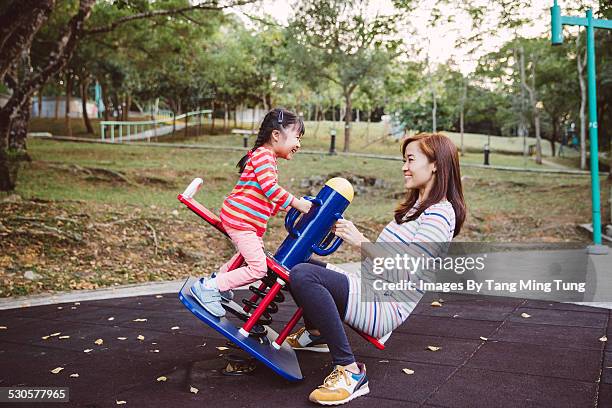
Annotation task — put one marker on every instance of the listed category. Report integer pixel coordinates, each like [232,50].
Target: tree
[336,40]
[20,24]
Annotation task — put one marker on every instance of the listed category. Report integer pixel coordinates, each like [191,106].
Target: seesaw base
[282,361]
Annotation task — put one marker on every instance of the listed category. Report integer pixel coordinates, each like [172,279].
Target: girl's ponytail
[276,119]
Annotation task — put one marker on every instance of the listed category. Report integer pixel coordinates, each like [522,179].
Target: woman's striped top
[257,195]
[426,234]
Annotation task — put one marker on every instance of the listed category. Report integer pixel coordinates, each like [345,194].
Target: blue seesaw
[308,234]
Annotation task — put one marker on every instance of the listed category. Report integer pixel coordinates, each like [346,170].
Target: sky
[438,43]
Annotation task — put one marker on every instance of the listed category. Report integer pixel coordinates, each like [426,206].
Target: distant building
[48,107]
[247,115]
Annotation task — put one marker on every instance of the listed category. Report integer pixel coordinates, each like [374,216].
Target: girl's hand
[349,233]
[302,205]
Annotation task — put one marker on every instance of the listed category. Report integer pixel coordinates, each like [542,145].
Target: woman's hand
[349,233]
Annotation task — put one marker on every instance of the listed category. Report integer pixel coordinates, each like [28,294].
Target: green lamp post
[557,23]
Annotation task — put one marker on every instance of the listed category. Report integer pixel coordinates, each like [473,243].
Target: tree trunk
[253,118]
[40,102]
[13,147]
[522,127]
[580,62]
[348,117]
[87,122]
[225,117]
[461,116]
[67,123]
[57,102]
[533,98]
[554,136]
[128,104]
[9,168]
[19,24]
[19,132]
[537,134]
[265,103]
[236,117]
[212,117]
[106,100]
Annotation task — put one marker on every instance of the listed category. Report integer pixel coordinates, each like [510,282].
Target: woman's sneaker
[302,340]
[208,298]
[341,386]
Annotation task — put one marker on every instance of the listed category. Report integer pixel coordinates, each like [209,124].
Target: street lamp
[557,22]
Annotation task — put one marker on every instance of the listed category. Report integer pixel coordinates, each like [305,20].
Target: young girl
[255,198]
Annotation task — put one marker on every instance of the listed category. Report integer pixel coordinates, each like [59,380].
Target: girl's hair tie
[280,117]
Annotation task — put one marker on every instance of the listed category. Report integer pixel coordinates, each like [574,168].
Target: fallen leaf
[44,337]
[55,334]
[383,361]
[433,348]
[525,315]
[75,375]
[441,300]
[140,337]
[3,327]
[483,338]
[436,304]
[87,350]
[604,338]
[57,370]
[139,320]
[63,337]
[162,378]
[158,296]
[408,371]
[456,315]
[222,348]
[110,319]
[153,343]
[174,328]
[73,308]
[59,308]
[121,402]
[121,338]
[154,351]
[77,303]
[193,389]
[99,342]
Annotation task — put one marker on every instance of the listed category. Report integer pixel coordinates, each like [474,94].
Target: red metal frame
[279,270]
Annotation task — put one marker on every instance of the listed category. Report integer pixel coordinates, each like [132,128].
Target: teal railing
[124,131]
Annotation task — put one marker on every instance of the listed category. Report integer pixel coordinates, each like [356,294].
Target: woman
[433,211]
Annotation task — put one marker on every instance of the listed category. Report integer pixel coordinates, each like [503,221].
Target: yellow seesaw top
[342,186]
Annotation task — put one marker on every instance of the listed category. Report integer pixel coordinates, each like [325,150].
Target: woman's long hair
[447,184]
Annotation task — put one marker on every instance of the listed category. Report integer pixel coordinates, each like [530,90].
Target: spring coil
[269,280]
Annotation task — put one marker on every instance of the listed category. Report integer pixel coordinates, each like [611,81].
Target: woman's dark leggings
[323,294]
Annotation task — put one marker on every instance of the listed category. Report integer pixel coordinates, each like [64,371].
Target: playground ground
[489,356]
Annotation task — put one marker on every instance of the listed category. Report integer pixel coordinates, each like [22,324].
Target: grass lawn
[92,215]
[365,137]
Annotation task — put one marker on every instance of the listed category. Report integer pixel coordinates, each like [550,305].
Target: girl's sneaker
[341,386]
[302,340]
[208,298]
[227,295]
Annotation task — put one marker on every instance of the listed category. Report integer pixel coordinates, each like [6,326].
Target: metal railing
[121,131]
